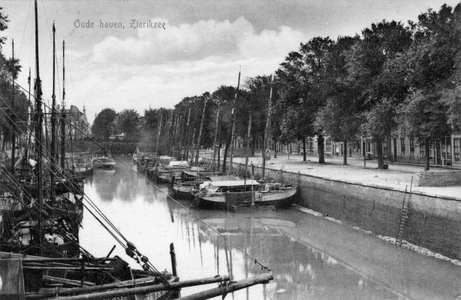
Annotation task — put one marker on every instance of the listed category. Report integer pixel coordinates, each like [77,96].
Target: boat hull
[225,201]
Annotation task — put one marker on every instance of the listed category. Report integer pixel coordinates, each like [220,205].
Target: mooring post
[173,259]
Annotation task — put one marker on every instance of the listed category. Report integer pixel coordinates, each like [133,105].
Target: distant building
[77,123]
[117,137]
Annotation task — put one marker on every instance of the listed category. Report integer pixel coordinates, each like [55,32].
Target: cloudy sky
[200,45]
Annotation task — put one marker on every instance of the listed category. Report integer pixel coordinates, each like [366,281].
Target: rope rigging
[129,247]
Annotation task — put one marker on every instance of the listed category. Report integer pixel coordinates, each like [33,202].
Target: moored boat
[163,173]
[82,163]
[188,184]
[103,162]
[229,194]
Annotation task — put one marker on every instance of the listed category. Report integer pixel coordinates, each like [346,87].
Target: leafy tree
[3,26]
[340,118]
[427,120]
[371,70]
[432,60]
[128,122]
[104,124]
[303,90]
[258,93]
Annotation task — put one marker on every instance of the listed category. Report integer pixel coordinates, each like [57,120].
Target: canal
[310,257]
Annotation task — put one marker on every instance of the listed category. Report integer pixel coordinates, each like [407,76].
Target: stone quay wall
[447,178]
[434,222]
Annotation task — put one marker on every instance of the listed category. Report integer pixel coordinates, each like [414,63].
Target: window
[456,149]
[412,147]
[422,151]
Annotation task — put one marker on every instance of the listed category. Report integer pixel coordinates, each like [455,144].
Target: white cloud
[158,68]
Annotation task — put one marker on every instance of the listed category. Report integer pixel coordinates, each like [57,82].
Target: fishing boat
[228,195]
[103,162]
[186,186]
[163,173]
[82,163]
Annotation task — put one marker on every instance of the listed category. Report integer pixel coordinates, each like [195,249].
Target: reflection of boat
[103,162]
[106,171]
[236,193]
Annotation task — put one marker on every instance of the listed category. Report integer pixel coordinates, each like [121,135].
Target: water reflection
[300,271]
[310,257]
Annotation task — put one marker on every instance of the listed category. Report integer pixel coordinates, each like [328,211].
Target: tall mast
[159,130]
[13,135]
[38,132]
[53,121]
[233,123]
[200,131]
[186,146]
[268,128]
[63,115]
[215,147]
[248,145]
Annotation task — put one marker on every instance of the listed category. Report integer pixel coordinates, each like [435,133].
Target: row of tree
[392,78]
[13,102]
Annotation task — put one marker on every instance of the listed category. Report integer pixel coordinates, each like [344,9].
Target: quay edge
[434,222]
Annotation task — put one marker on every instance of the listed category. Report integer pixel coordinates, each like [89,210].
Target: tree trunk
[345,152]
[275,148]
[379,149]
[389,154]
[427,147]
[224,161]
[321,149]
[304,148]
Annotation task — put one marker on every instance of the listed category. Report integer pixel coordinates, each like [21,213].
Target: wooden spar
[192,146]
[216,138]
[200,132]
[53,122]
[91,289]
[248,146]
[186,143]
[71,282]
[170,133]
[178,136]
[159,130]
[38,133]
[63,115]
[233,286]
[137,290]
[13,135]
[268,128]
[233,123]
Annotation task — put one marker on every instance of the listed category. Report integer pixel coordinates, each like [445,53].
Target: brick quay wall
[434,222]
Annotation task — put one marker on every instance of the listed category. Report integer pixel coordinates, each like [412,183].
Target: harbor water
[310,256]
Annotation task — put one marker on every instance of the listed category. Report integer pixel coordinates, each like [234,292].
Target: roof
[234,183]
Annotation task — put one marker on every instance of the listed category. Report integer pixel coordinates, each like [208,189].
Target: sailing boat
[237,194]
[31,267]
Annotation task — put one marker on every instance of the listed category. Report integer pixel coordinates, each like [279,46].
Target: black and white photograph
[230,149]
